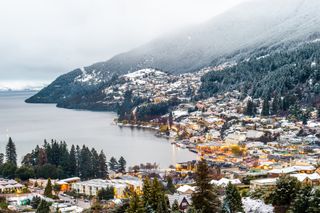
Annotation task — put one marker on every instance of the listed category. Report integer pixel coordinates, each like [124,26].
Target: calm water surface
[30,124]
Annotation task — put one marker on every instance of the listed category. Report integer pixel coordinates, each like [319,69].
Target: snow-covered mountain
[22,85]
[234,34]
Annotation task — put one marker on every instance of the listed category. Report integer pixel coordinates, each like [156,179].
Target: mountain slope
[250,25]
[294,72]
[237,33]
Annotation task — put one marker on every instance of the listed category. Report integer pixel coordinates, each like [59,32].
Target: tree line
[204,199]
[290,195]
[289,73]
[55,160]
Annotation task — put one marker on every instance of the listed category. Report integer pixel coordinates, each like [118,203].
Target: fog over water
[30,124]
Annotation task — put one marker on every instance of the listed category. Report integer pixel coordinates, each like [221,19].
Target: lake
[30,124]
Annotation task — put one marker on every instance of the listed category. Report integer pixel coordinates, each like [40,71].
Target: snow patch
[255,206]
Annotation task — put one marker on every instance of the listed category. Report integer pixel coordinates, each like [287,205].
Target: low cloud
[40,40]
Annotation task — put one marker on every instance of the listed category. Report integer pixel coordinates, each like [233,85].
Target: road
[78,202]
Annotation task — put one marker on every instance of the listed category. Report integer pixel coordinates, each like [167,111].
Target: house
[235,138]
[266,183]
[254,135]
[65,184]
[186,189]
[224,182]
[41,182]
[184,201]
[311,179]
[10,186]
[292,170]
[93,186]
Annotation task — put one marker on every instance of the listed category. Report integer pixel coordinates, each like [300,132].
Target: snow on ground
[91,78]
[255,206]
[142,72]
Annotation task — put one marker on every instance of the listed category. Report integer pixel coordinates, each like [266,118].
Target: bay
[30,124]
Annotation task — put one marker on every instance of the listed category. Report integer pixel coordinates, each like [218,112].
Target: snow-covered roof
[186,188]
[292,169]
[302,177]
[264,181]
[178,198]
[225,181]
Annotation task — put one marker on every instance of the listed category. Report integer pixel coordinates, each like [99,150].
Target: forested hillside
[294,72]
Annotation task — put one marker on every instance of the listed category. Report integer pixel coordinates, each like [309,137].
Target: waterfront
[30,124]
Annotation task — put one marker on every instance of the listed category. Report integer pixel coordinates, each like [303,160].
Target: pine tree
[1,159]
[232,199]
[285,192]
[265,108]
[48,189]
[103,167]
[35,202]
[175,206]
[122,165]
[73,161]
[113,164]
[85,163]
[135,204]
[250,108]
[205,197]
[301,202]
[78,159]
[11,155]
[146,189]
[170,186]
[95,162]
[275,105]
[43,207]
[314,202]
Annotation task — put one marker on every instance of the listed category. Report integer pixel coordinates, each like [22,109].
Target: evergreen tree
[314,202]
[162,206]
[301,202]
[103,168]
[113,164]
[156,194]
[35,202]
[250,109]
[8,170]
[170,186]
[285,192]
[1,159]
[11,155]
[135,204]
[232,200]
[78,159]
[85,163]
[95,162]
[73,161]
[64,159]
[122,165]
[175,206]
[147,188]
[106,193]
[48,189]
[275,105]
[43,207]
[205,197]
[265,108]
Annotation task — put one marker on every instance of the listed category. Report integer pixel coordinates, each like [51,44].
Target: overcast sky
[41,39]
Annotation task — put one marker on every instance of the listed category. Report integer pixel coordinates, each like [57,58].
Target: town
[245,147]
